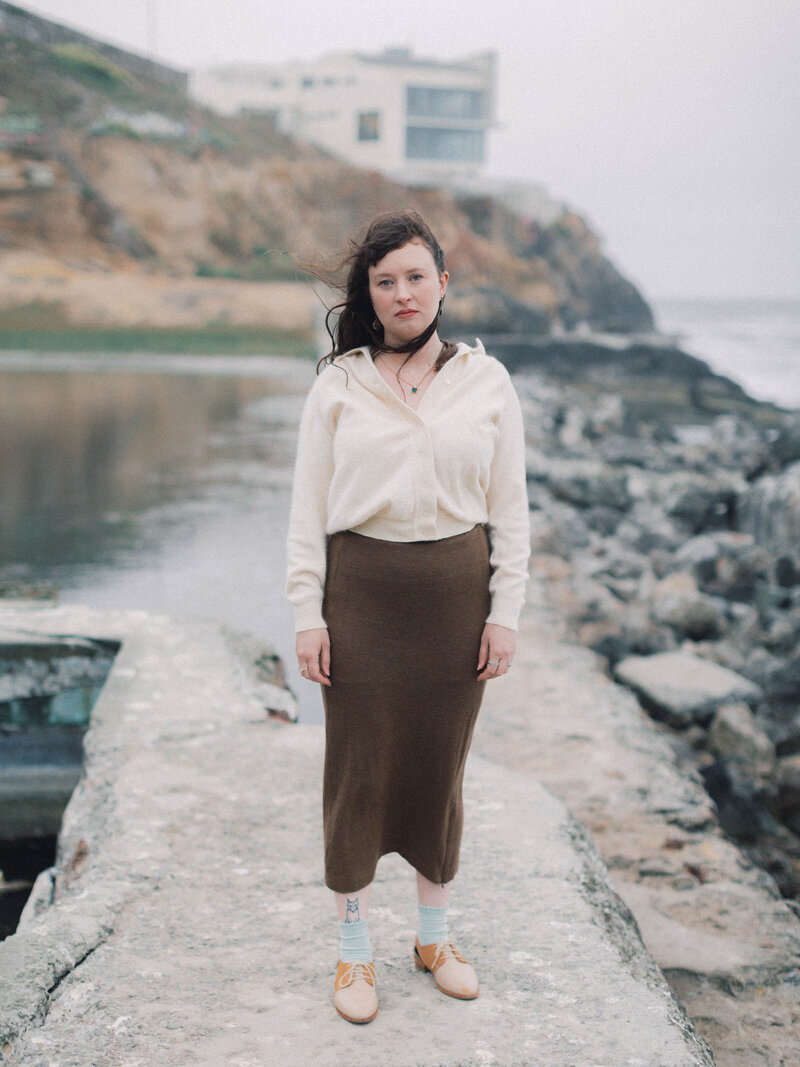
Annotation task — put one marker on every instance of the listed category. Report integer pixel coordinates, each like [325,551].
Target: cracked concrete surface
[189,923]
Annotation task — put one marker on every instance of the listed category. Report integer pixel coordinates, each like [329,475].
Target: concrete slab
[189,925]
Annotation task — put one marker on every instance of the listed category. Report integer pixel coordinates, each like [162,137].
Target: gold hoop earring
[376,325]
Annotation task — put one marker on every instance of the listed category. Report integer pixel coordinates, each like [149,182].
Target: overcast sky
[672,125]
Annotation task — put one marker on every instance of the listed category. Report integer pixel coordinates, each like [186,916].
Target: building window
[306,83]
[369,126]
[445,103]
[455,146]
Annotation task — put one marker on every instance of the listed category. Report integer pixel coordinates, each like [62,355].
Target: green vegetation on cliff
[135,172]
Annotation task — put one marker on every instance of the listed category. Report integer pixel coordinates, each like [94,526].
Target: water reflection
[155,483]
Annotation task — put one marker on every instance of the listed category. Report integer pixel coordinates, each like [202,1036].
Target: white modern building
[421,121]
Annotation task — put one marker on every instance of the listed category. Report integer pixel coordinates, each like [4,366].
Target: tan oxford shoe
[451,972]
[354,995]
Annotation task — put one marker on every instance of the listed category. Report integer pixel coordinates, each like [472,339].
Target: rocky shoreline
[667,528]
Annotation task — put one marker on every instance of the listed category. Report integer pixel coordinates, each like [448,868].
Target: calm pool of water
[156,483]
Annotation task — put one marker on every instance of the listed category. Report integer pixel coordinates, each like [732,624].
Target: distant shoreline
[234,341]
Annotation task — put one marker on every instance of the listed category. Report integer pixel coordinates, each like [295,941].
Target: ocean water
[754,342]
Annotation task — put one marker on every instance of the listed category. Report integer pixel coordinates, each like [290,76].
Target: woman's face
[405,288]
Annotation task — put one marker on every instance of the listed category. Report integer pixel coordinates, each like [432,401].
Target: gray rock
[602,520]
[702,504]
[618,561]
[700,550]
[760,665]
[681,688]
[787,777]
[677,602]
[786,447]
[735,732]
[770,511]
[588,484]
[783,684]
[698,617]
[559,529]
[787,574]
[741,800]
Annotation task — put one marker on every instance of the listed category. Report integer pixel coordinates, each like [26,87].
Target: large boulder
[681,688]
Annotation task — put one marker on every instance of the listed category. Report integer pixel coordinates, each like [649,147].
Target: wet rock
[682,688]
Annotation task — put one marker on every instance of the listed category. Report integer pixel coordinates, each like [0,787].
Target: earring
[376,325]
[441,307]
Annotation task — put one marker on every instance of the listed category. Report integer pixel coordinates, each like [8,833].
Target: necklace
[414,388]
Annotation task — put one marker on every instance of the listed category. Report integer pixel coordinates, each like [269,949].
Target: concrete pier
[186,922]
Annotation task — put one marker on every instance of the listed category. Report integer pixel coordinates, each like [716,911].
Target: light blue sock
[432,929]
[354,942]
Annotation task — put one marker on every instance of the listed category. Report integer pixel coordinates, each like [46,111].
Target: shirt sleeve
[307,541]
[508,522]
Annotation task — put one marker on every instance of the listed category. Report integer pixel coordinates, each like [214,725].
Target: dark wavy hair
[350,322]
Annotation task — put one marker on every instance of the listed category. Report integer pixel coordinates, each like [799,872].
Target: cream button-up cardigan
[367,462]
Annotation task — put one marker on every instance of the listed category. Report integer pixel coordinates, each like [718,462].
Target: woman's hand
[314,655]
[498,644]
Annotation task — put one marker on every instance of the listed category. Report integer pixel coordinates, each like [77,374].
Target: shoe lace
[444,951]
[358,970]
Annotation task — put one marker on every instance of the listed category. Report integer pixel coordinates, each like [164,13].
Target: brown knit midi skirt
[405,623]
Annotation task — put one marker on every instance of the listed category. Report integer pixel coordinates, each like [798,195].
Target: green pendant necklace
[414,388]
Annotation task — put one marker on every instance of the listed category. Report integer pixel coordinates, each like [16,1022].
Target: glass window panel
[423,102]
[369,126]
[457,146]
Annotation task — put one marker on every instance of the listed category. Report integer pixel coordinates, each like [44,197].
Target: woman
[408,548]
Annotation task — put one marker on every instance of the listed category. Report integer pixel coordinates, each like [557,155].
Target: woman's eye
[415,277]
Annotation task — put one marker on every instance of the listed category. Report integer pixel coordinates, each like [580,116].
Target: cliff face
[97,161]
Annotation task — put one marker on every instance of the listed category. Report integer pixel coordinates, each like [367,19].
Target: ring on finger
[493,663]
[302,669]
